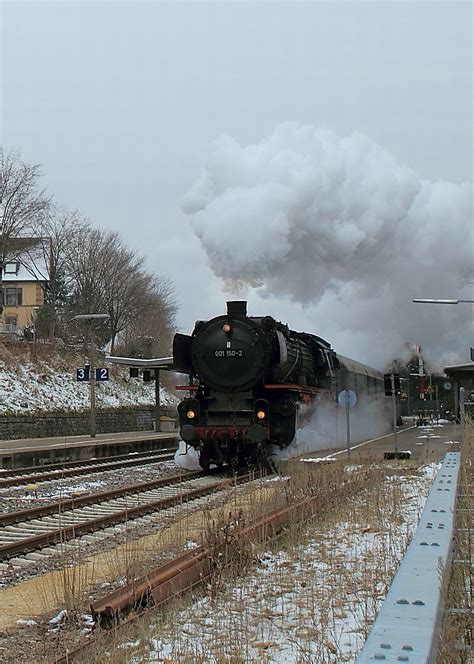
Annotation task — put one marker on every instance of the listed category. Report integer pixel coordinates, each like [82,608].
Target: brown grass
[358,497]
[456,642]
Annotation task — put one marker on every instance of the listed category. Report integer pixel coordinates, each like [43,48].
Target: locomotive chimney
[237,308]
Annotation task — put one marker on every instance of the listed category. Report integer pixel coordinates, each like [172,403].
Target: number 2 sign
[101,374]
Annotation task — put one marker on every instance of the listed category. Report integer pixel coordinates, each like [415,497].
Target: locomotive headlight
[226,327]
[261,414]
[190,414]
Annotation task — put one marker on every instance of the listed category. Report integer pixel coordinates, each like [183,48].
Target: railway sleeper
[37,528]
[37,556]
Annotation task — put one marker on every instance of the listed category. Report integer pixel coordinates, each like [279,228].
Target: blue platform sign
[101,374]
[347,398]
[82,374]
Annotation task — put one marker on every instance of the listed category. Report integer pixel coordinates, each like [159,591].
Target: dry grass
[70,586]
[303,589]
[456,643]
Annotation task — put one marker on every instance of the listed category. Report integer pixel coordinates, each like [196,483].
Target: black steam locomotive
[253,376]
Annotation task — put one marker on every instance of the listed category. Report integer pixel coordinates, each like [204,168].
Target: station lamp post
[437,301]
[91,319]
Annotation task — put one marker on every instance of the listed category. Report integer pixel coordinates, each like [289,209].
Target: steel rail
[97,466]
[23,470]
[62,534]
[60,506]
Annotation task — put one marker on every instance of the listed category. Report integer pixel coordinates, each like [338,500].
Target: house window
[11,268]
[11,320]
[11,296]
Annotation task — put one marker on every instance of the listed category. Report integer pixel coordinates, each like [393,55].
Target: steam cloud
[326,427]
[346,234]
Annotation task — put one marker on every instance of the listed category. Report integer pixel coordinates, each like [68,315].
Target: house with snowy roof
[23,277]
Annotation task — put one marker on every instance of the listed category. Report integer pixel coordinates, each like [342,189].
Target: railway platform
[39,451]
[425,444]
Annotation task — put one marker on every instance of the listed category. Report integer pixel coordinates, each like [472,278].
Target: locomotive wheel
[205,464]
[204,460]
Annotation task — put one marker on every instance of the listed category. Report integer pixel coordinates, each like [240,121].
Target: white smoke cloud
[326,426]
[337,227]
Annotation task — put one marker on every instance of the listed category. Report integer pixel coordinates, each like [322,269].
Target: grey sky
[120,101]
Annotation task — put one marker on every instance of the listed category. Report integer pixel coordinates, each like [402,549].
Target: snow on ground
[313,601]
[27,388]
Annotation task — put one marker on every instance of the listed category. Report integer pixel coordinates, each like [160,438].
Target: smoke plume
[347,235]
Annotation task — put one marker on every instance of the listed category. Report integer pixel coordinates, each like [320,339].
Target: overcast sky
[122,103]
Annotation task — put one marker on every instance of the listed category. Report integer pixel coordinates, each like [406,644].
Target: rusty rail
[56,471]
[187,570]
[194,567]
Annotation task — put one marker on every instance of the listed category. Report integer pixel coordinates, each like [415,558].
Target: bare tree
[110,278]
[61,233]
[151,333]
[86,272]
[122,283]
[81,269]
[23,204]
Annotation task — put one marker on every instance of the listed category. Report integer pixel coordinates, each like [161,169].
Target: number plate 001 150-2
[229,352]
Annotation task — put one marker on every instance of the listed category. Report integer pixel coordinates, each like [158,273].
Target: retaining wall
[45,425]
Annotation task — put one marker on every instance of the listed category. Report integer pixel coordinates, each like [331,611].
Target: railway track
[47,528]
[53,471]
[198,565]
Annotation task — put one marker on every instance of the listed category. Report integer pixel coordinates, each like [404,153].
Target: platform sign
[101,374]
[347,397]
[82,374]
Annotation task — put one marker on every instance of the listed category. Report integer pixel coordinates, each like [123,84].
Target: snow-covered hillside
[49,384]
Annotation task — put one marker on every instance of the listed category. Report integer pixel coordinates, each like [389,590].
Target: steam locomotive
[250,379]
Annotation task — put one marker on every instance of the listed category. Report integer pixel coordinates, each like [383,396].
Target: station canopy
[460,371]
[163,363]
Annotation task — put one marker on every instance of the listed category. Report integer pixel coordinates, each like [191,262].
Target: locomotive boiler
[248,379]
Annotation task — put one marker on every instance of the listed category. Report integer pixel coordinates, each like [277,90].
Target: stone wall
[44,425]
